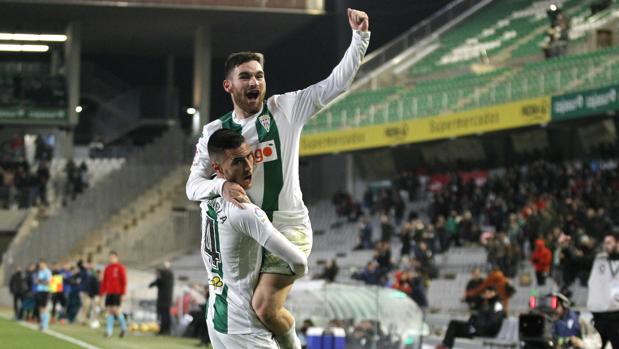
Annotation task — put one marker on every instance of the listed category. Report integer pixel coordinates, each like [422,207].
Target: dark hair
[238,58]
[113,253]
[221,140]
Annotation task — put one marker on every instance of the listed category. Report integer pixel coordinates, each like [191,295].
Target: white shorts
[240,341]
[298,234]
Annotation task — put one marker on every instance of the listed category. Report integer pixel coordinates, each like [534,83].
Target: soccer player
[232,248]
[273,128]
[42,280]
[113,286]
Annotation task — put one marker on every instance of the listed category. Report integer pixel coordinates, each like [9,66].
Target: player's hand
[358,20]
[235,194]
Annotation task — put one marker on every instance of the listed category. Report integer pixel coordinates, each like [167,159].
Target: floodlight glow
[24,48]
[191,111]
[79,109]
[33,37]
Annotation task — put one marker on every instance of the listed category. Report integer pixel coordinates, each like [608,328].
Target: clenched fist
[358,20]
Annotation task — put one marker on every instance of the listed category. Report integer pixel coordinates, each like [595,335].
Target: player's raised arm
[300,105]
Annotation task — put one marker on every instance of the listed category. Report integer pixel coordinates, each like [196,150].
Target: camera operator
[603,299]
[569,330]
[486,323]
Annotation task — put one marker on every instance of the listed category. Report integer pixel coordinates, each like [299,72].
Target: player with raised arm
[233,239]
[272,128]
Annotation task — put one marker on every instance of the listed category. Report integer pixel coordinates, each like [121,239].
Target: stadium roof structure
[114,27]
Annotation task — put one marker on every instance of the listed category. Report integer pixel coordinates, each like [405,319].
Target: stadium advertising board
[575,105]
[499,117]
[26,115]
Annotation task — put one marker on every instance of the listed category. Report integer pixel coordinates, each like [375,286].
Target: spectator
[370,274]
[541,258]
[18,288]
[165,291]
[382,255]
[603,298]
[405,237]
[496,280]
[302,332]
[330,271]
[486,323]
[42,178]
[476,280]
[386,228]
[365,235]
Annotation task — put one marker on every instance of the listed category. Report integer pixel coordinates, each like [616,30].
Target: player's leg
[119,314]
[268,302]
[109,324]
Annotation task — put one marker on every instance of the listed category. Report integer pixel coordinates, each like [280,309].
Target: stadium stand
[56,236]
[492,57]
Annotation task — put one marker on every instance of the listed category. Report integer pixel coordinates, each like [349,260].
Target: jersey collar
[242,122]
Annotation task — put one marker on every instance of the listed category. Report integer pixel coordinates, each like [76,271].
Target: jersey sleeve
[300,105]
[254,222]
[201,185]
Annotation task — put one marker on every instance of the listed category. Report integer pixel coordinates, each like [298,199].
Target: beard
[247,104]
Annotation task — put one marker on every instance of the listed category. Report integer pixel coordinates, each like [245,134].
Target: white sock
[289,340]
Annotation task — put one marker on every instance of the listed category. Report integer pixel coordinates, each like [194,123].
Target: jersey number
[210,243]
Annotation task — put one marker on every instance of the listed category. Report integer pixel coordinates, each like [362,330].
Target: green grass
[16,336]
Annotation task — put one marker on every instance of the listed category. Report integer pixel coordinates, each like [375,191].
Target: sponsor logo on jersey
[265,152]
[216,284]
[265,121]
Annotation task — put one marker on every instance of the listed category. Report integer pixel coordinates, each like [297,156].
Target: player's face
[238,165]
[247,86]
[610,245]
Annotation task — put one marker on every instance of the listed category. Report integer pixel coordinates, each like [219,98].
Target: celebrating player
[232,241]
[273,131]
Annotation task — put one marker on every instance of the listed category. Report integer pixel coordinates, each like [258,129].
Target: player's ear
[227,85]
[217,168]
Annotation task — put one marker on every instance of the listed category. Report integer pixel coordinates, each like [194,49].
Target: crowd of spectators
[550,214]
[556,213]
[25,184]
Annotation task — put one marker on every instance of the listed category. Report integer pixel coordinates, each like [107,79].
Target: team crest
[265,121]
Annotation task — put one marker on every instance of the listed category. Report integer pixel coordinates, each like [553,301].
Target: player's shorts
[240,341]
[298,234]
[112,300]
[41,299]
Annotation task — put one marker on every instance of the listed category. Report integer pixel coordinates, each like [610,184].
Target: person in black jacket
[18,288]
[486,323]
[165,291]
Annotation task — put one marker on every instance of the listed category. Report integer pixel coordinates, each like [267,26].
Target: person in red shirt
[113,286]
[541,258]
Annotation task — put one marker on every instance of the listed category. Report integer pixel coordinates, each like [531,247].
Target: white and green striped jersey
[231,247]
[274,135]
